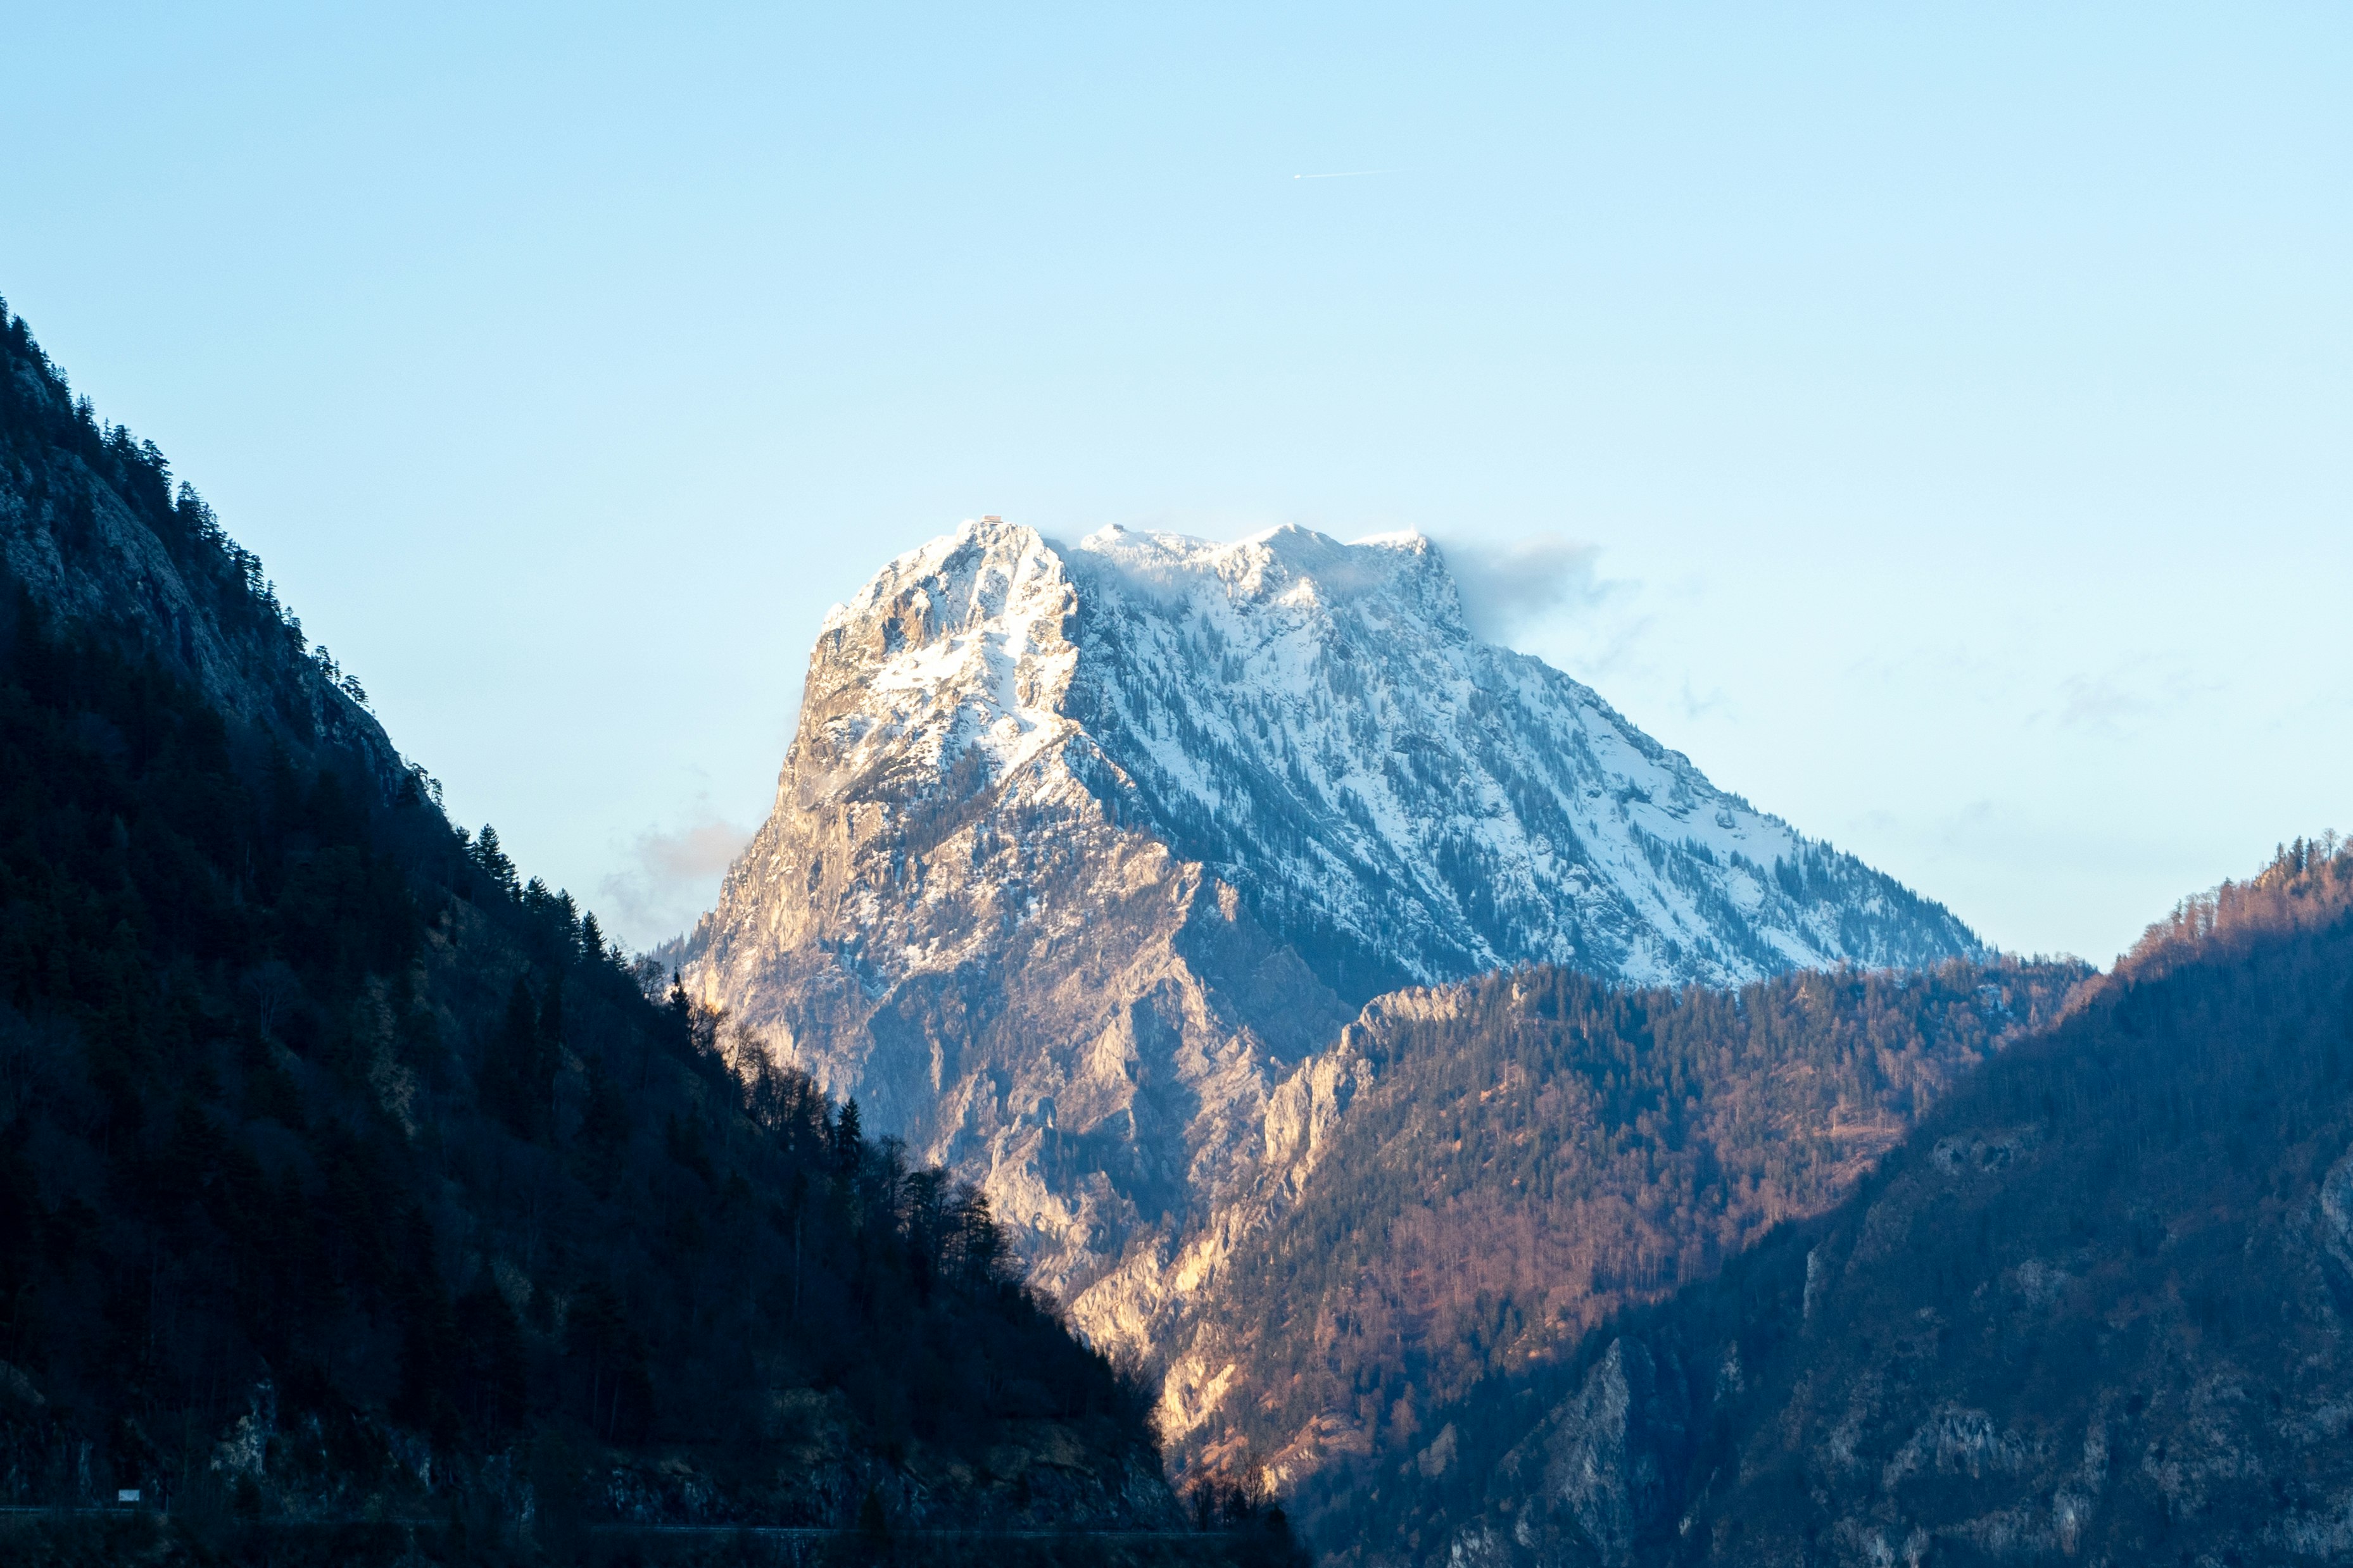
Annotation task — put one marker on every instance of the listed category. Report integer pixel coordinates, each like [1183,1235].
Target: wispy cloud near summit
[670,876]
[1510,587]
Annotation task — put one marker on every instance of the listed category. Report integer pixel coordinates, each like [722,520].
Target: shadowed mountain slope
[2095,1307]
[343,1173]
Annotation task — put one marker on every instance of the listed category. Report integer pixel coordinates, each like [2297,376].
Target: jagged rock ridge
[1080,854]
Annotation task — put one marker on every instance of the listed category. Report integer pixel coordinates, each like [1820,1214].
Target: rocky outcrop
[940,919]
[1605,1460]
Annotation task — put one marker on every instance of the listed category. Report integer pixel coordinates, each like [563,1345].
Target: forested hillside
[2096,1307]
[345,1173]
[1537,1151]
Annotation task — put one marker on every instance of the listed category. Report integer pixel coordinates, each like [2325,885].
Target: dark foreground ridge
[110,1536]
[347,1176]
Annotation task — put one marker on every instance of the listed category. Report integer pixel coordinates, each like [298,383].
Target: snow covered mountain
[1406,803]
[1082,856]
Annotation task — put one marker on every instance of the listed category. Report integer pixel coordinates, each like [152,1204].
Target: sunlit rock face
[1081,856]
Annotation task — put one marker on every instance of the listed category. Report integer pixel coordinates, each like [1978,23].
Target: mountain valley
[1203,1045]
[1373,1037]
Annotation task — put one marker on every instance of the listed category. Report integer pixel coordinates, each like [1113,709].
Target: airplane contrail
[1345,175]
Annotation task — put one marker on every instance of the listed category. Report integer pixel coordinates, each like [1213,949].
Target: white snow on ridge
[1318,725]
[973,654]
[1314,722]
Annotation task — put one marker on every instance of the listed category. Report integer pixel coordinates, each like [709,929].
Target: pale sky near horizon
[1936,420]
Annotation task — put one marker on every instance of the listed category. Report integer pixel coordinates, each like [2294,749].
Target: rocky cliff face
[1081,856]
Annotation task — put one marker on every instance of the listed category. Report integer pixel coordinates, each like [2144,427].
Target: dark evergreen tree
[512,1066]
[548,1059]
[848,1140]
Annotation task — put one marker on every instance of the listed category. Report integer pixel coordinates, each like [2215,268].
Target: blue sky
[1934,419]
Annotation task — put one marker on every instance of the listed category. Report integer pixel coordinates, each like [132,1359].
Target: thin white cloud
[669,876]
[2129,696]
[1511,587]
[1698,704]
[2099,702]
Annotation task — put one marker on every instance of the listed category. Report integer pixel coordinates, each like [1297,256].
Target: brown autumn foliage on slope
[1540,1149]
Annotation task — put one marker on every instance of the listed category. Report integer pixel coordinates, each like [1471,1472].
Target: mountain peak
[1080,853]
[1282,565]
[1312,722]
